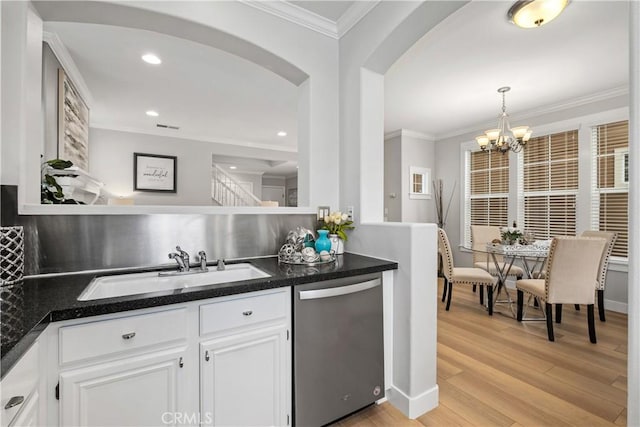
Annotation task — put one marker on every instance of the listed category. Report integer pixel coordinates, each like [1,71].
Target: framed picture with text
[154,172]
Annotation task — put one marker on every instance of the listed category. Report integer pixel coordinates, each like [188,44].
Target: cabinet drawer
[109,337]
[243,311]
[19,384]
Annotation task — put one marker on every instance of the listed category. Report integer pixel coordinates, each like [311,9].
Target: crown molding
[539,111]
[297,15]
[354,14]
[68,64]
[410,134]
[305,18]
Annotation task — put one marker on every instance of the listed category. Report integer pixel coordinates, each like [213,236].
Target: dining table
[532,258]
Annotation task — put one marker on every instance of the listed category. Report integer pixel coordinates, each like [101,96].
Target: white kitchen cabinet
[19,391]
[124,369]
[134,391]
[245,379]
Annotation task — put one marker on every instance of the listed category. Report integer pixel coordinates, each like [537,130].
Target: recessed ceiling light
[282,133]
[232,167]
[152,113]
[152,59]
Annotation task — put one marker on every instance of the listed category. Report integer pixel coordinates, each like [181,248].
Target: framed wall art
[73,124]
[154,172]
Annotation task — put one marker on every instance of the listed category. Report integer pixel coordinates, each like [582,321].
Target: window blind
[610,182]
[549,185]
[487,194]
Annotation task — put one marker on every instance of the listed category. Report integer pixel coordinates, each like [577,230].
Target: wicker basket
[11,289]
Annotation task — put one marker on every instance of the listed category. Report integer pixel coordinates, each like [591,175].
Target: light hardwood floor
[494,371]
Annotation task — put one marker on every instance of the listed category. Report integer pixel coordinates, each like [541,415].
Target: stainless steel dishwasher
[338,348]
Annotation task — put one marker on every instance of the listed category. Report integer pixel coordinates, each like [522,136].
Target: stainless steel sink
[141,283]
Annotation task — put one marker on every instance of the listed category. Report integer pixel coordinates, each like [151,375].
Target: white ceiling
[210,94]
[447,82]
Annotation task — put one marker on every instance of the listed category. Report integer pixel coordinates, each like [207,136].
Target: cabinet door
[145,390]
[245,379]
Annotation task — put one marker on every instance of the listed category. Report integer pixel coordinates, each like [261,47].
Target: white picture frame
[419,182]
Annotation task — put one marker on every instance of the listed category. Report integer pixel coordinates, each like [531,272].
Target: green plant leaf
[59,163]
[342,235]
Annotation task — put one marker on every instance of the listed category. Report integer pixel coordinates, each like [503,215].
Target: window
[420,179]
[610,182]
[548,185]
[486,190]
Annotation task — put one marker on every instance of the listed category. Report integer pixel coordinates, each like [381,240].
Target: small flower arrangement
[511,235]
[337,223]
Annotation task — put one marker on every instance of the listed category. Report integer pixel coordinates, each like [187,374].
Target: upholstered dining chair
[480,236]
[610,237]
[462,275]
[572,275]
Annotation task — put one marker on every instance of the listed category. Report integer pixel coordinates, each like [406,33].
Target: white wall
[448,167]
[393,179]
[419,152]
[402,150]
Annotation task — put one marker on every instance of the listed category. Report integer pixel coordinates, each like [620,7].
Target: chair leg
[482,294]
[558,313]
[444,289]
[490,299]
[449,292]
[549,312]
[601,304]
[474,288]
[592,324]
[577,306]
[520,304]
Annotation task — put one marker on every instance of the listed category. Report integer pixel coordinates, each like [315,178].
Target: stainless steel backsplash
[65,243]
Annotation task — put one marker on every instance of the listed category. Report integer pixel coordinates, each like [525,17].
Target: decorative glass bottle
[322,242]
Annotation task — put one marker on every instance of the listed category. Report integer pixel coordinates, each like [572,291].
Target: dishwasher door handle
[340,290]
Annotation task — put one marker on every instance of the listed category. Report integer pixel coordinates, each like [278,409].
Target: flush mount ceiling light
[535,13]
[504,138]
[152,113]
[152,59]
[282,133]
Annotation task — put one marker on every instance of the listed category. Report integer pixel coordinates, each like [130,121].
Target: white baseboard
[413,407]
[618,307]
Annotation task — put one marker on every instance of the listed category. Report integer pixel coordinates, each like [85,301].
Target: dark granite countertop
[54,298]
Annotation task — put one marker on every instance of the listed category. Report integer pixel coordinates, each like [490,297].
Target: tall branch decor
[438,194]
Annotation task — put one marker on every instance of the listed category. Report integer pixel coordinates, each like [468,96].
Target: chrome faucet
[221,266]
[182,258]
[179,260]
[203,261]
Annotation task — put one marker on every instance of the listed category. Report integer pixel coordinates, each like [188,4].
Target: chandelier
[504,138]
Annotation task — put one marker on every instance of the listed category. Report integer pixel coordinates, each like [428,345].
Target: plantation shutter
[610,182]
[550,185]
[487,190]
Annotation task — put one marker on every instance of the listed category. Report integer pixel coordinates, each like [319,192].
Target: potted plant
[51,192]
[511,235]
[337,223]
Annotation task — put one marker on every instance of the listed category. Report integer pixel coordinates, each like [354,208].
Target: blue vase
[322,242]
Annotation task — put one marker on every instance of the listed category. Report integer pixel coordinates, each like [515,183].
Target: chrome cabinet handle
[180,363]
[14,401]
[128,336]
[206,355]
[247,313]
